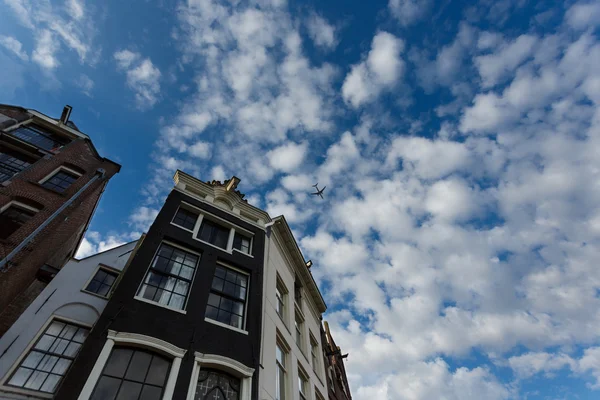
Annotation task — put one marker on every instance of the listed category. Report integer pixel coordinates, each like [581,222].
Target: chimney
[232,184]
[66,113]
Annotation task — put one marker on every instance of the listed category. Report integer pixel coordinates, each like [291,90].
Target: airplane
[318,192]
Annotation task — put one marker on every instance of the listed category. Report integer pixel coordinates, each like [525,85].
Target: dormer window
[39,137]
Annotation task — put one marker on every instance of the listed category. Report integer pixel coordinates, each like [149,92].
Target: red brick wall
[54,244]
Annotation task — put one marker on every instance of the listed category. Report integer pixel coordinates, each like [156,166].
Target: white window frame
[314,360]
[25,353]
[304,376]
[142,299]
[246,301]
[224,364]
[287,351]
[300,318]
[186,207]
[135,340]
[106,268]
[18,204]
[279,285]
[57,170]
[218,220]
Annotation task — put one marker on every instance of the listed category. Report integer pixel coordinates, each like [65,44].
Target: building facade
[292,358]
[185,319]
[337,381]
[51,179]
[38,349]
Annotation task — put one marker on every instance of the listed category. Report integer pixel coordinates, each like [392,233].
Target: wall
[63,296]
[277,264]
[57,242]
[188,331]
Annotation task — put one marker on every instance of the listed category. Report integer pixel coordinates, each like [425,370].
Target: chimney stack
[66,113]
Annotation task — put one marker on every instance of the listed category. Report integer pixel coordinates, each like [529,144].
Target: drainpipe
[99,175]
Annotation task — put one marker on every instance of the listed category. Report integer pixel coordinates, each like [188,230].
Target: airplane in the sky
[318,192]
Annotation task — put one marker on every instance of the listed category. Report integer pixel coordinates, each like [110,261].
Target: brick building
[337,381]
[51,179]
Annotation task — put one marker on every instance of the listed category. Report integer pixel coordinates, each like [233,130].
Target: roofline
[287,231]
[102,252]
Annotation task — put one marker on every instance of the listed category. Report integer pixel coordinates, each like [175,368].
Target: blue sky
[457,245]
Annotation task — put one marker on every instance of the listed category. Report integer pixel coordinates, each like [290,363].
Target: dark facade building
[184,321]
[337,381]
[51,178]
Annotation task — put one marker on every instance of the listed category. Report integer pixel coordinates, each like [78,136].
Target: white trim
[226,364]
[233,328]
[57,170]
[182,310]
[187,209]
[154,303]
[218,219]
[18,204]
[181,227]
[135,340]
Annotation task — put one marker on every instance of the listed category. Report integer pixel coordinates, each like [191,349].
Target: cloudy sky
[458,243]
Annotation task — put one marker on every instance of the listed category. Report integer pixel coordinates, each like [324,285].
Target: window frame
[280,287]
[302,375]
[113,338]
[299,323]
[281,367]
[56,171]
[11,152]
[189,209]
[233,228]
[191,281]
[224,364]
[44,131]
[18,204]
[91,278]
[11,371]
[245,316]
[314,354]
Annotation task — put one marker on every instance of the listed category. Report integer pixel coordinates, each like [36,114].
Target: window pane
[129,391]
[158,371]
[138,366]
[118,362]
[60,181]
[218,385]
[51,383]
[12,219]
[36,380]
[33,359]
[151,393]
[20,377]
[106,389]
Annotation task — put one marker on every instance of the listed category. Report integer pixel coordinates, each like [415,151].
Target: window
[314,353]
[280,294]
[132,374]
[214,233]
[12,219]
[60,181]
[38,137]
[11,163]
[302,385]
[280,356]
[318,394]
[213,384]
[186,219]
[227,298]
[50,358]
[169,278]
[298,292]
[298,326]
[241,243]
[102,282]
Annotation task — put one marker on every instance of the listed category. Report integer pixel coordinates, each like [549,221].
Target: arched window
[217,385]
[132,373]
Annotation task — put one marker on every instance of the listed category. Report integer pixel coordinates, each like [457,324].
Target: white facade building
[36,352]
[291,350]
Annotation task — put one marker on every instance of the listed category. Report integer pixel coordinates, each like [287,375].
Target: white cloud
[583,14]
[287,157]
[94,243]
[321,32]
[527,365]
[85,83]
[75,8]
[493,67]
[201,150]
[45,49]
[408,12]
[218,173]
[12,44]
[380,71]
[142,77]
[142,218]
[450,200]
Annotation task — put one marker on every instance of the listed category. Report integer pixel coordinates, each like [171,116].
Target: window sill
[241,252]
[181,227]
[27,392]
[238,330]
[211,245]
[94,294]
[159,305]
